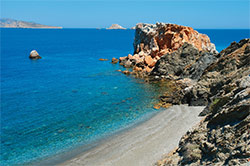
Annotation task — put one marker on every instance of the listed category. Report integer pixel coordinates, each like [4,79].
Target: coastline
[33,27]
[143,144]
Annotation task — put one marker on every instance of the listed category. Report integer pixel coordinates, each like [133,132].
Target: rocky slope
[186,62]
[223,137]
[10,23]
[197,75]
[116,26]
[155,40]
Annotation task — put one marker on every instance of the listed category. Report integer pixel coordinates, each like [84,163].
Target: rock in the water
[34,55]
[116,26]
[156,40]
[114,60]
[126,72]
[102,59]
[134,27]
[160,38]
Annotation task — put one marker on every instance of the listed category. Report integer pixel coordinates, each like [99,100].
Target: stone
[191,152]
[114,60]
[148,69]
[128,64]
[102,59]
[122,59]
[126,72]
[34,55]
[130,56]
[157,106]
[149,60]
[136,69]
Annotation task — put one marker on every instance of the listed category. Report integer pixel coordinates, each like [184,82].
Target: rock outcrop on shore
[198,75]
[116,26]
[223,137]
[152,41]
[186,62]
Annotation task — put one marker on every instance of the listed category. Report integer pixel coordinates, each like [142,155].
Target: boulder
[102,59]
[126,72]
[148,69]
[122,58]
[127,64]
[34,55]
[130,56]
[149,60]
[114,60]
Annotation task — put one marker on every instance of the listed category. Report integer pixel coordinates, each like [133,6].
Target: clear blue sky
[101,14]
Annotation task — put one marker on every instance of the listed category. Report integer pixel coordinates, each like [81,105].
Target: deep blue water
[69,97]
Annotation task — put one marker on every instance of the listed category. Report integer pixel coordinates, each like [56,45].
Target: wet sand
[144,144]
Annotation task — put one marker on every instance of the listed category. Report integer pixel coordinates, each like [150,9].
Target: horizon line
[122,29]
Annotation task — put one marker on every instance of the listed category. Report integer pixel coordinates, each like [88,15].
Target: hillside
[10,23]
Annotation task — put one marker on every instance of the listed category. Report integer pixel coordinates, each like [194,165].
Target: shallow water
[69,97]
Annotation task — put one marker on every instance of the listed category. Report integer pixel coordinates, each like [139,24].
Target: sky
[199,14]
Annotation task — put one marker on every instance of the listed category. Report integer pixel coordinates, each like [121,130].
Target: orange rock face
[154,40]
[122,58]
[162,38]
[148,69]
[149,60]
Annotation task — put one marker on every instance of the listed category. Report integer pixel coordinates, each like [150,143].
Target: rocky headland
[10,23]
[152,41]
[223,137]
[116,26]
[198,75]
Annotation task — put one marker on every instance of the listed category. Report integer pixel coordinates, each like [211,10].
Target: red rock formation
[154,40]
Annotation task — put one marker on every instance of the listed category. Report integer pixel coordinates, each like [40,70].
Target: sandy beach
[144,144]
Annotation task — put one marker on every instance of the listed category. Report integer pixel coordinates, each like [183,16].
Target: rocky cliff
[198,75]
[223,137]
[10,23]
[186,62]
[152,41]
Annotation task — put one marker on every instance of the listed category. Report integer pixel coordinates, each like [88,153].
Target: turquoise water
[69,97]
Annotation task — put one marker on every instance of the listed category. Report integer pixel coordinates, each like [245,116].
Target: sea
[69,99]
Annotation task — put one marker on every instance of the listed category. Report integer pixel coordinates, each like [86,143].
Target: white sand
[145,144]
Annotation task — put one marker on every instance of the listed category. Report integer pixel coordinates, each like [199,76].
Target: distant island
[134,27]
[11,23]
[116,26]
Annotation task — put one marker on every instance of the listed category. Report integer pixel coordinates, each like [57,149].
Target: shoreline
[143,144]
[72,153]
